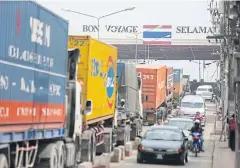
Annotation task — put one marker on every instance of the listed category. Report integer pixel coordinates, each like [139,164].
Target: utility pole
[204,66]
[199,70]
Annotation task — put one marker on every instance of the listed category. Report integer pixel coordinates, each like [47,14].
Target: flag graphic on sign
[157,34]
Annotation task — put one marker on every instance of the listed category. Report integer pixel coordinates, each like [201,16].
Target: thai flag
[157,34]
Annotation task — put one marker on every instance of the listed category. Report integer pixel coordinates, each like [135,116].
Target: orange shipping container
[153,85]
[169,80]
[178,88]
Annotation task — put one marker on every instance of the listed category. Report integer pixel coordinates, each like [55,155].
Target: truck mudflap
[136,128]
[123,134]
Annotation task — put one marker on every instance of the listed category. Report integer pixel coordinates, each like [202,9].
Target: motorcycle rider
[198,116]
[197,128]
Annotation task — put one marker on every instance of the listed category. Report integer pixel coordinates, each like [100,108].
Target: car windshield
[185,125]
[231,107]
[192,105]
[201,89]
[165,135]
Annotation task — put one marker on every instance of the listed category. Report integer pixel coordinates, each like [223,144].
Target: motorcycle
[196,143]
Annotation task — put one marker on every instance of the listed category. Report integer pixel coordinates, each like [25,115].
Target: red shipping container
[153,85]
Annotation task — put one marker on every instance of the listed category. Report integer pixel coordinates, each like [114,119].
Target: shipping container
[128,86]
[33,65]
[177,75]
[97,70]
[169,81]
[153,85]
[178,88]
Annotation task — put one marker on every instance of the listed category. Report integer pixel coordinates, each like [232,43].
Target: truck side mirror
[88,108]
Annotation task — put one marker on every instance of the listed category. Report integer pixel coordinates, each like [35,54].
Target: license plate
[150,118]
[159,156]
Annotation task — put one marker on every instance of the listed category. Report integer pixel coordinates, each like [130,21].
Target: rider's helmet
[197,122]
[198,113]
[122,102]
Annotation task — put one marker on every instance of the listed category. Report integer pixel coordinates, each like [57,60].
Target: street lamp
[98,18]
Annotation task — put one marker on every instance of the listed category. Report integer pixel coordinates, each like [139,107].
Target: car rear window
[165,135]
[185,125]
[192,105]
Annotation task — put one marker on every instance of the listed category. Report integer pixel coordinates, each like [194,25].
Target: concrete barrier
[102,161]
[128,148]
[122,152]
[136,143]
[116,155]
[85,165]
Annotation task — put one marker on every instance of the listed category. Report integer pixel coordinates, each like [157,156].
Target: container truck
[169,88]
[177,84]
[129,99]
[169,83]
[153,79]
[42,123]
[98,74]
[186,83]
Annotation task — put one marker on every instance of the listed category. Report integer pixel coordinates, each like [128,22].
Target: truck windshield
[192,105]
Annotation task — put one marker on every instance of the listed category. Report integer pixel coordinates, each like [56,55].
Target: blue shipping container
[177,75]
[33,68]
[33,52]
[120,72]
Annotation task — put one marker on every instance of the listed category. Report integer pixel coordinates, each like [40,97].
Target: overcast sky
[171,12]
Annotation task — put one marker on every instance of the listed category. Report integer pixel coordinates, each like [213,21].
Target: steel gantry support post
[237,106]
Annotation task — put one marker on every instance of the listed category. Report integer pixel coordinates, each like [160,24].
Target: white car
[191,104]
[206,91]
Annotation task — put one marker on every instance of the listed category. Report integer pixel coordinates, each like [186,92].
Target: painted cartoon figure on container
[110,82]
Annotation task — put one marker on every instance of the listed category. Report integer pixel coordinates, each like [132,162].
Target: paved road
[204,160]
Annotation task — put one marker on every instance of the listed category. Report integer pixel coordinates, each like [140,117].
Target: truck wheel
[53,160]
[3,161]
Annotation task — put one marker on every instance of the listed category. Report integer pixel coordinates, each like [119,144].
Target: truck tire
[3,161]
[53,160]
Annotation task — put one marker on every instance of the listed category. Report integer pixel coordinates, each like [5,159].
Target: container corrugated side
[120,72]
[132,88]
[170,79]
[149,84]
[176,87]
[33,61]
[176,75]
[128,86]
[161,85]
[97,70]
